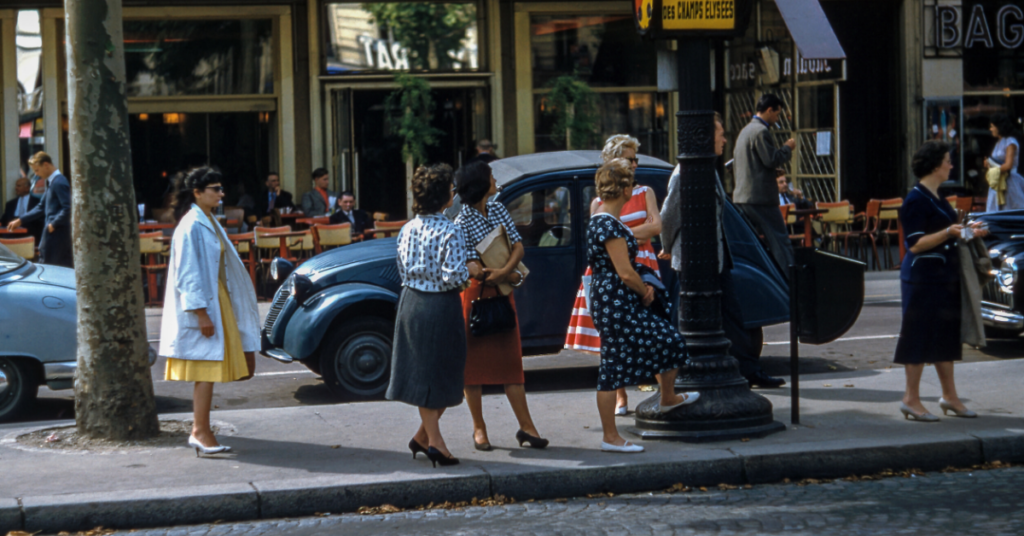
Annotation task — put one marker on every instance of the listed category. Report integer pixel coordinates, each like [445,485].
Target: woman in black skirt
[429,352]
[930,285]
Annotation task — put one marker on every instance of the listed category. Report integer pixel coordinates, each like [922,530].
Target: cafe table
[283,237]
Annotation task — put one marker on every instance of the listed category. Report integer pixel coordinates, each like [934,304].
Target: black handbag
[489,316]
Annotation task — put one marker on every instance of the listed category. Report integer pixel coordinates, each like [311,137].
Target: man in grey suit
[55,211]
[316,202]
[757,194]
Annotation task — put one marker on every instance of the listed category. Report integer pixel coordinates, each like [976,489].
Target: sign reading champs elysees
[679,19]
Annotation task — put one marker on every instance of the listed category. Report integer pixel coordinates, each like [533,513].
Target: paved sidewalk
[284,463]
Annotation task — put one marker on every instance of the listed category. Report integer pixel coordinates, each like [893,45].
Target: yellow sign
[698,14]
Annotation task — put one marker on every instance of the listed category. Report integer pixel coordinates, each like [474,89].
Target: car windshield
[9,260]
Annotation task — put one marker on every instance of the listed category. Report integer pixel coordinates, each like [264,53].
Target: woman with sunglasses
[642,216]
[210,328]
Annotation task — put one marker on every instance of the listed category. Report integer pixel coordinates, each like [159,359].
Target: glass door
[366,153]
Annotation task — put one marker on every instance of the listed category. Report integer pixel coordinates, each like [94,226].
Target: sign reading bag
[679,19]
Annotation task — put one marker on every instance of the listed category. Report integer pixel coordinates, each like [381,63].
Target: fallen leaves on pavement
[496,500]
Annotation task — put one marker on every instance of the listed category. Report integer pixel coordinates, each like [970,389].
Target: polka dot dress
[636,344]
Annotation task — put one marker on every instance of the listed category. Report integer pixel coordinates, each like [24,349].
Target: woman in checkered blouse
[495,359]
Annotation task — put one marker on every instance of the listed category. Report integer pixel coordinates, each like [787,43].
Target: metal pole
[794,342]
[727,409]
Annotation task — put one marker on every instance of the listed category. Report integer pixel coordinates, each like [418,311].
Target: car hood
[373,261]
[57,276]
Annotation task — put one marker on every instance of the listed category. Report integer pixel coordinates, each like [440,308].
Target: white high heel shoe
[946,407]
[194,443]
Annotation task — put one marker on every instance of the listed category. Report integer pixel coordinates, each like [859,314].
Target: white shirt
[22,207]
[432,254]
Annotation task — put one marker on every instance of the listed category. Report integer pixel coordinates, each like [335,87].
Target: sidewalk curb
[738,464]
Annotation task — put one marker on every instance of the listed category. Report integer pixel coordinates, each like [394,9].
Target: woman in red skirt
[495,359]
[642,216]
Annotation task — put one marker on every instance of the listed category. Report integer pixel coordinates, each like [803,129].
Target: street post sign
[680,19]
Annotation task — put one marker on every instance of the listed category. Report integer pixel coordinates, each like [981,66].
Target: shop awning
[811,30]
[26,130]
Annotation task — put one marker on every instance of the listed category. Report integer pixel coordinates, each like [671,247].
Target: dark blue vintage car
[1002,305]
[335,313]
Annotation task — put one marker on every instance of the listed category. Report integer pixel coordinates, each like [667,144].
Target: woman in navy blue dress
[930,285]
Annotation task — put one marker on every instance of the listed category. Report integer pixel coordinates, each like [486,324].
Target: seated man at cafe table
[348,213]
[273,198]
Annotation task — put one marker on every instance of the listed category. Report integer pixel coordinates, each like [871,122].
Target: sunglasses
[218,189]
[634,160]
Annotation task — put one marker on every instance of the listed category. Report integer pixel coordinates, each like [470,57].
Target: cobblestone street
[979,502]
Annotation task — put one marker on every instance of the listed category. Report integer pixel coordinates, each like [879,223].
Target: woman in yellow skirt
[210,327]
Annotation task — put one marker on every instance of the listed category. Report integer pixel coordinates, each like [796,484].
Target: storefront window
[641,115]
[198,57]
[601,50]
[401,36]
[977,139]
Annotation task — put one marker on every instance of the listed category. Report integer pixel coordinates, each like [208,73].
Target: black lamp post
[726,409]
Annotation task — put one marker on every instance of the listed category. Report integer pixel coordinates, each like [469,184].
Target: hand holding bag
[492,315]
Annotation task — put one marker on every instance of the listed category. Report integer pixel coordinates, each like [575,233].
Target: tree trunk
[113,388]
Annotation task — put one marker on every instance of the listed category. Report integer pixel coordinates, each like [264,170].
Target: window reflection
[641,115]
[29,56]
[602,50]
[400,36]
[198,57]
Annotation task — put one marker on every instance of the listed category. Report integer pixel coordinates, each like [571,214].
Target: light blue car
[38,312]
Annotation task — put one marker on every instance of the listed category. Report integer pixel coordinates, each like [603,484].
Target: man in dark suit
[789,195]
[348,213]
[54,212]
[22,203]
[273,198]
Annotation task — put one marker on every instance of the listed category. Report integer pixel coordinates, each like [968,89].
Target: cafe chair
[889,227]
[243,244]
[380,216]
[237,214]
[23,247]
[838,224]
[331,236]
[154,262]
[302,246]
[384,229]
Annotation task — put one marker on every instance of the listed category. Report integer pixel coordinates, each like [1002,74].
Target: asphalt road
[868,345]
[936,504]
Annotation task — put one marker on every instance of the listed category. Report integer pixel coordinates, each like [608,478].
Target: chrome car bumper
[999,318]
[278,355]
[59,371]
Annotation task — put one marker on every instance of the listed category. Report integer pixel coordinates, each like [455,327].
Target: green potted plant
[573,106]
[410,110]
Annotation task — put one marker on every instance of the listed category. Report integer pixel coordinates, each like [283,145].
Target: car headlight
[273,271]
[280,269]
[300,287]
[1008,274]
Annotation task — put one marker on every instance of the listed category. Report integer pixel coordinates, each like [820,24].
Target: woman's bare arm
[652,227]
[619,253]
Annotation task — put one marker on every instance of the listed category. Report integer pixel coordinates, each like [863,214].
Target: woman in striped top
[642,216]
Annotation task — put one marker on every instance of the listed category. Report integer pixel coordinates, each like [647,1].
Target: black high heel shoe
[437,458]
[415,447]
[535,442]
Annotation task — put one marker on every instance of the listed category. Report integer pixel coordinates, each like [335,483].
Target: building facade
[258,86]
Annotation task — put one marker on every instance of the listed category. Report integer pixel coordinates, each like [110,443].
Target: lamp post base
[727,409]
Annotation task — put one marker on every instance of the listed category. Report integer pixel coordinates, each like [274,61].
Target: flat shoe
[625,448]
[621,410]
[688,398]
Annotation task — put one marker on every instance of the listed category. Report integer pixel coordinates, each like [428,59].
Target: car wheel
[355,362]
[18,387]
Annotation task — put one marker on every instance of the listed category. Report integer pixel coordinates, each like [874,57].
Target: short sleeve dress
[636,343]
[1014,181]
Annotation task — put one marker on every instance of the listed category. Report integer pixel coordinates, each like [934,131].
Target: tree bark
[113,388]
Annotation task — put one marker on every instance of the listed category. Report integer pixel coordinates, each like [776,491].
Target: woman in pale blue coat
[210,328]
[1006,155]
